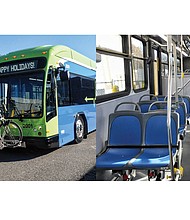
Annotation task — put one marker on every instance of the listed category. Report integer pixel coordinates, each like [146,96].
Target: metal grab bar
[180,88]
[160,103]
[169,42]
[149,95]
[127,103]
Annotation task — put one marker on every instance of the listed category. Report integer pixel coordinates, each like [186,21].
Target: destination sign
[18,67]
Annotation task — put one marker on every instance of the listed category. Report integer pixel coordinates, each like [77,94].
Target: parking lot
[71,162]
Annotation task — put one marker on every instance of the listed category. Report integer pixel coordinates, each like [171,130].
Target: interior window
[138,64]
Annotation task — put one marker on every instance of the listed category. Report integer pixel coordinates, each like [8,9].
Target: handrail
[180,98]
[127,103]
[180,88]
[182,73]
[175,73]
[150,95]
[157,102]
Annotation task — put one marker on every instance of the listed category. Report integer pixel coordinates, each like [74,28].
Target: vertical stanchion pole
[169,46]
[175,74]
[182,73]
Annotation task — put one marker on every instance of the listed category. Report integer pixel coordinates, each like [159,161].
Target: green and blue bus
[50,92]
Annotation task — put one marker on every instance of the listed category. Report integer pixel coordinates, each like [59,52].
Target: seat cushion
[116,158]
[153,158]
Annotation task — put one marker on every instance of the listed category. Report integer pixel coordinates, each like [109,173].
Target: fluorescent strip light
[164,37]
[179,49]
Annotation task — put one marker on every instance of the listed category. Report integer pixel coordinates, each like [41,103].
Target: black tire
[11,134]
[79,129]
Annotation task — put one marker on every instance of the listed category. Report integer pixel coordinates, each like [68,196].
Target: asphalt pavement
[72,162]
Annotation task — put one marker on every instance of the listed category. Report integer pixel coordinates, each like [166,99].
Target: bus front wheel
[79,129]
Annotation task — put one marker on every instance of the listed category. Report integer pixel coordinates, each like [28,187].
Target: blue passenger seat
[160,97]
[182,110]
[139,141]
[186,99]
[145,104]
[158,105]
[124,140]
[155,154]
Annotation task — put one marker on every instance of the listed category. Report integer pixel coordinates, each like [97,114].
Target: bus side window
[63,93]
[82,90]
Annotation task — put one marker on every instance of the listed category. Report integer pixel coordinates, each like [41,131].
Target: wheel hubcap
[79,129]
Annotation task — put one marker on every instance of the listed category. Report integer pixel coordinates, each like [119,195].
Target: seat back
[158,105]
[125,129]
[186,99]
[145,101]
[129,106]
[160,97]
[144,106]
[173,98]
[156,131]
[148,97]
[182,112]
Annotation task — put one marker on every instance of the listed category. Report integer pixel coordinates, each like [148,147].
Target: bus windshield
[22,94]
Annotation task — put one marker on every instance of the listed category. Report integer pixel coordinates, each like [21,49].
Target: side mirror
[53,83]
[64,74]
[98,58]
[51,77]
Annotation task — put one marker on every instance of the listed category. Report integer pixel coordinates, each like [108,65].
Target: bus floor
[106,175]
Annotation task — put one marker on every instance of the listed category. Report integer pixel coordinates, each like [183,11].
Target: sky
[84,44]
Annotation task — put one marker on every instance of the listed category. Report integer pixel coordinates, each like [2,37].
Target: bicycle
[10,132]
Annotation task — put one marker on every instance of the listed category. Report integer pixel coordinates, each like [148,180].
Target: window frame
[145,64]
[164,63]
[126,59]
[72,85]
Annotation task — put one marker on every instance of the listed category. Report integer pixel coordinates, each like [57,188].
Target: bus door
[66,112]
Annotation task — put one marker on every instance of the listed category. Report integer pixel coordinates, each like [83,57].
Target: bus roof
[58,51]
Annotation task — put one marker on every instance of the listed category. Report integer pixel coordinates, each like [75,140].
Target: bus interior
[142,96]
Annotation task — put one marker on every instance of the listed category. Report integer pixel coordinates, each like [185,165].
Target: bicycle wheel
[11,134]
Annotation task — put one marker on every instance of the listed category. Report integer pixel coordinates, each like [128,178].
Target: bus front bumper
[42,142]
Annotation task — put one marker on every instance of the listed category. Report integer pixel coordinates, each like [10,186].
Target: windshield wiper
[28,113]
